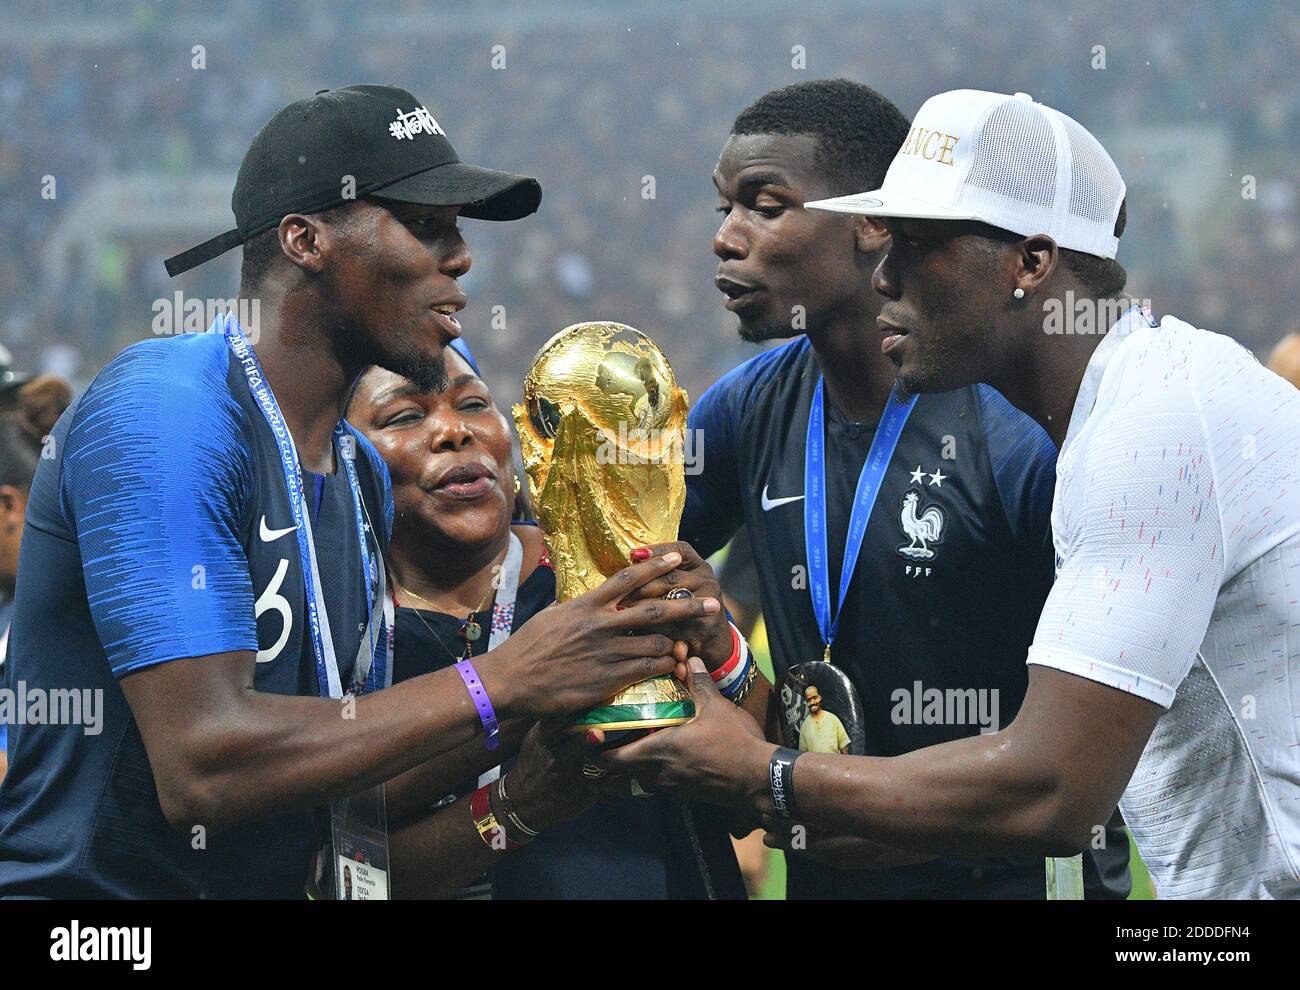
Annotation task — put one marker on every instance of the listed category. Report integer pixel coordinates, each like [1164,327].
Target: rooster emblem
[923,529]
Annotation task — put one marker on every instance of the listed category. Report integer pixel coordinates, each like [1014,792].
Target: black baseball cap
[380,136]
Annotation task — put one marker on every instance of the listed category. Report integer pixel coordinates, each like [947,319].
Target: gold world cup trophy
[601,428]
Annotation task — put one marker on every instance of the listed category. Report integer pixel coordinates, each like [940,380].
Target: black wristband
[780,776]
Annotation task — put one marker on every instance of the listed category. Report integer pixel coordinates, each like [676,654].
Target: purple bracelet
[478,694]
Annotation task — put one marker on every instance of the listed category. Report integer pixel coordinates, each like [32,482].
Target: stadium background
[605,102]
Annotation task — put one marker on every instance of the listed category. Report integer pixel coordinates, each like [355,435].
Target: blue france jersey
[162,530]
[954,568]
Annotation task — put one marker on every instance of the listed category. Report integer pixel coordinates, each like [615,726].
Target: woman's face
[448,453]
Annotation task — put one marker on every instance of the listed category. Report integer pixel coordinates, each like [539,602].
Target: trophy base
[655,703]
[621,733]
[621,737]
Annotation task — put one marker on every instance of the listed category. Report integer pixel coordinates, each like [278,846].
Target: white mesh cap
[1005,160]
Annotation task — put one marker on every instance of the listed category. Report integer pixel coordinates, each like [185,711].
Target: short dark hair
[260,253]
[19,453]
[1103,277]
[858,131]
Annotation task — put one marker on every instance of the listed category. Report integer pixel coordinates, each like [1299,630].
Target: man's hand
[843,852]
[1039,787]
[546,783]
[709,637]
[719,756]
[574,655]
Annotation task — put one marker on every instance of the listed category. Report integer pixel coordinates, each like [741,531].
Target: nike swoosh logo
[271,535]
[771,503]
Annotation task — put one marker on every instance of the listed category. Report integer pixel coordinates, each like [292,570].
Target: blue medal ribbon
[814,506]
[370,670]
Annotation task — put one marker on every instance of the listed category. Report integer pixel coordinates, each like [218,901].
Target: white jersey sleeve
[1142,555]
[1177,525]
[1162,493]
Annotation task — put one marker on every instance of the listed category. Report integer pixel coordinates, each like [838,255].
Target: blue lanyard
[814,506]
[369,671]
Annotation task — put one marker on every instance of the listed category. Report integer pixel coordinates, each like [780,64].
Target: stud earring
[1019,293]
[516,484]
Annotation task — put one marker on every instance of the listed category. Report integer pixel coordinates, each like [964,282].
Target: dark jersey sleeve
[155,474]
[713,507]
[1023,458]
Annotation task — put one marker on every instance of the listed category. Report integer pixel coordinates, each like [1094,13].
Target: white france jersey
[1177,523]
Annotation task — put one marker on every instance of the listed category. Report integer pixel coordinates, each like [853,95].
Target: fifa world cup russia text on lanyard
[355,866]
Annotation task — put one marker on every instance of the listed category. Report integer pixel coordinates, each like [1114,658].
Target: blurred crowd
[620,113]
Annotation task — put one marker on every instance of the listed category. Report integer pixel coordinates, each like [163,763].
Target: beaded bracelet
[735,677]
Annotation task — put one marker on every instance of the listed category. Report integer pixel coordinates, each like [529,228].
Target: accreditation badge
[1065,878]
[821,711]
[352,863]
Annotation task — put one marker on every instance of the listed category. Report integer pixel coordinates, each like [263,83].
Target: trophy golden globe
[601,429]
